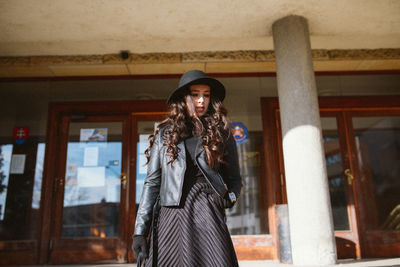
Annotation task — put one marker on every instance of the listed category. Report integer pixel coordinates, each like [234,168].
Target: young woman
[192,176]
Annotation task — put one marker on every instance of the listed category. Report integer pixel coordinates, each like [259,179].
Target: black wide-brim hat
[197,77]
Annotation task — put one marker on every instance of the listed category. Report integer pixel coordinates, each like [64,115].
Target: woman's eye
[207,95]
[194,95]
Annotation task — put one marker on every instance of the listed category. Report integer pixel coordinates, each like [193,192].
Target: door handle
[349,176]
[122,177]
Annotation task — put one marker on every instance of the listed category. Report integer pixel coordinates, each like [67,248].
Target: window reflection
[20,193]
[249,215]
[5,161]
[378,149]
[92,189]
[144,130]
[336,179]
[37,187]
[141,169]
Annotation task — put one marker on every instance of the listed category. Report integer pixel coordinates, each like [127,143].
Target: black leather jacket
[166,180]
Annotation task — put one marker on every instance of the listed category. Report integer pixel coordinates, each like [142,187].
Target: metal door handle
[349,176]
[122,177]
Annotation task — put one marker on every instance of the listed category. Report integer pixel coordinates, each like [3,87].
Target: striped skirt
[193,234]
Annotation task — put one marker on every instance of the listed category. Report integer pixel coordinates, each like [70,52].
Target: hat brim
[217,89]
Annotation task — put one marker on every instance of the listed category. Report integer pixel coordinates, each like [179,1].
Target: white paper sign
[91,156]
[17,164]
[94,135]
[91,176]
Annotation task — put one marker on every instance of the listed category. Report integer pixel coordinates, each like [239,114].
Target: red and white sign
[21,133]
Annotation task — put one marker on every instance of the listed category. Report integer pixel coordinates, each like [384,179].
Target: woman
[192,176]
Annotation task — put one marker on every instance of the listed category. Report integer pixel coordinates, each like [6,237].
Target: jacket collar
[199,147]
[182,149]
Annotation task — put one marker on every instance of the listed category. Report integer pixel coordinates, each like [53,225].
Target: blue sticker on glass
[20,141]
[239,132]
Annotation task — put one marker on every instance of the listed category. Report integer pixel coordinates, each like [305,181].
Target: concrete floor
[269,263]
[344,263]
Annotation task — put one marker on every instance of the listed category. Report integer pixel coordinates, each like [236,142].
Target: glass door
[361,138]
[341,184]
[89,225]
[143,125]
[375,138]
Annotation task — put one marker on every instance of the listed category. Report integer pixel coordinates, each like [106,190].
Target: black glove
[139,244]
[227,203]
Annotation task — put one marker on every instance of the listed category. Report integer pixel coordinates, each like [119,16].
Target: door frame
[135,117]
[373,241]
[247,247]
[75,249]
[57,111]
[344,106]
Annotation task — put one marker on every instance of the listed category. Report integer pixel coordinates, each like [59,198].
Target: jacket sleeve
[231,170]
[151,189]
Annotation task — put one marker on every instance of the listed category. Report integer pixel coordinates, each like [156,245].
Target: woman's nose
[201,99]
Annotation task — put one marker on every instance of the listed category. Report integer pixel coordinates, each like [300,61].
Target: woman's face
[200,94]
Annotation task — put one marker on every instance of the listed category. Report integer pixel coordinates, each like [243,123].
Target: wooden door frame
[56,111]
[74,249]
[247,247]
[22,252]
[135,118]
[369,105]
[372,240]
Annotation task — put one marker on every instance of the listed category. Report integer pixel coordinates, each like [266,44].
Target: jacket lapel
[199,147]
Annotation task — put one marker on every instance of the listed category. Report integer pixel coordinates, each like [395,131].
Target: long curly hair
[182,121]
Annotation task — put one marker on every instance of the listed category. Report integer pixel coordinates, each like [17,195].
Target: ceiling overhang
[176,63]
[93,27]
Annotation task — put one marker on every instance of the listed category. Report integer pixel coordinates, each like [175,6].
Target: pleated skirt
[193,234]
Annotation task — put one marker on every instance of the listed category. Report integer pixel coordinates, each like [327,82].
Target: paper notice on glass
[91,176]
[17,164]
[94,135]
[91,156]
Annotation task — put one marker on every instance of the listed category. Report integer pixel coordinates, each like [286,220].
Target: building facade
[75,117]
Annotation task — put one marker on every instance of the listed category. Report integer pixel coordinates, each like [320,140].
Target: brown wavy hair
[181,122]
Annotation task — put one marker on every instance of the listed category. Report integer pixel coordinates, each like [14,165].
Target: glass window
[336,179]
[144,130]
[249,216]
[20,190]
[37,186]
[378,151]
[92,185]
[5,161]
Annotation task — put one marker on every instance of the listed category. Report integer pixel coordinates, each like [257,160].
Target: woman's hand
[139,244]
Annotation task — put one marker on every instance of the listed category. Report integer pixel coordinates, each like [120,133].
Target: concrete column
[310,215]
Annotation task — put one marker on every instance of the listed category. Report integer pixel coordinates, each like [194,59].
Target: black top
[191,166]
